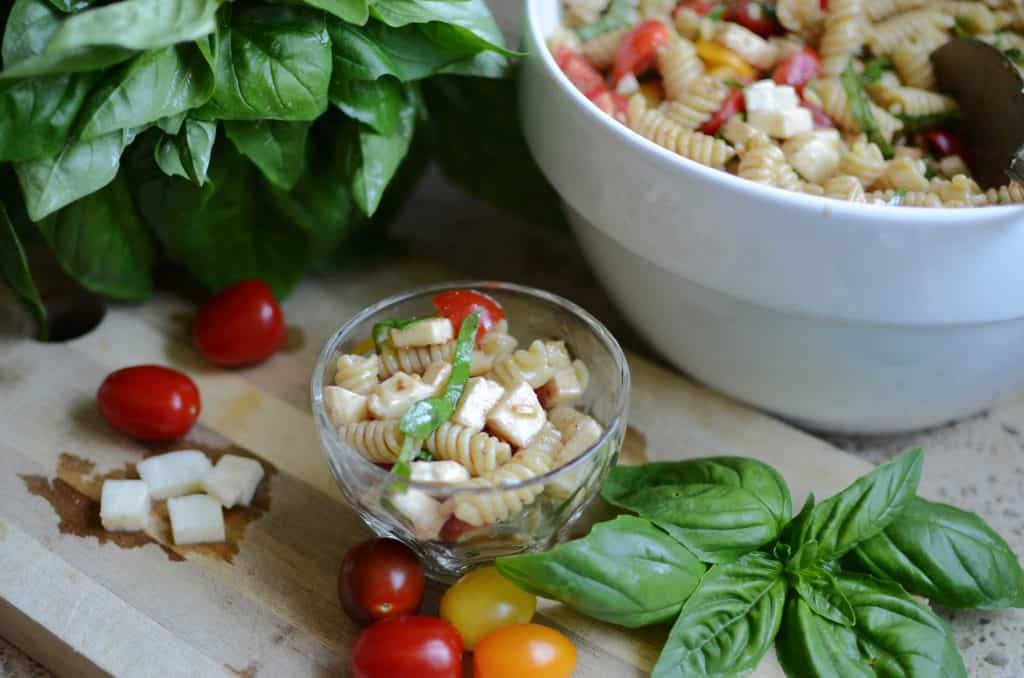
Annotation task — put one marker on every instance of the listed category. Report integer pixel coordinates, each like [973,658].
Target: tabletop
[977,463]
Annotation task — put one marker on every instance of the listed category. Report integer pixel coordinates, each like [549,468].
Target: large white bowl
[842,317]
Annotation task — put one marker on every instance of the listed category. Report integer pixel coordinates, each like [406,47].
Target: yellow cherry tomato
[715,55]
[524,651]
[483,601]
[364,346]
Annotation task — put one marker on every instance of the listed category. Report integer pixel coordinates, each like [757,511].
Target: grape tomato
[529,650]
[417,647]
[758,17]
[639,48]
[241,325]
[457,304]
[798,69]
[379,579]
[484,601]
[149,402]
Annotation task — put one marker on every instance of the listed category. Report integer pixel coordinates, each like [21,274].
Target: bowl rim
[912,217]
[329,435]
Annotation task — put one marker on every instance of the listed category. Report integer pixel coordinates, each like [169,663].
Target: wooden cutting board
[85,603]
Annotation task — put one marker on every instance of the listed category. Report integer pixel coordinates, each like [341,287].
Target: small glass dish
[531,314]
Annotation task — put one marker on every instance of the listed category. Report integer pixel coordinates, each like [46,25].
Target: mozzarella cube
[392,397]
[425,515]
[479,398]
[124,505]
[815,155]
[567,385]
[423,333]
[579,433]
[196,519]
[558,354]
[782,125]
[765,95]
[175,473]
[518,416]
[436,377]
[749,45]
[438,472]
[345,406]
[233,481]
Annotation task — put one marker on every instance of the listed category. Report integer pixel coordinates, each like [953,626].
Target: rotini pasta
[914,65]
[845,187]
[701,101]
[674,137]
[600,51]
[583,12]
[844,34]
[905,174]
[802,17]
[886,35]
[357,373]
[531,366]
[679,65]
[882,9]
[864,161]
[378,440]
[479,452]
[914,101]
[693,26]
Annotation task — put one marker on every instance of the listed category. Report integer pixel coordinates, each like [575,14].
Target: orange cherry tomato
[484,601]
[639,48]
[524,650]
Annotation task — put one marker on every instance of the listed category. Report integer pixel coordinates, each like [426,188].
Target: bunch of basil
[714,547]
[241,138]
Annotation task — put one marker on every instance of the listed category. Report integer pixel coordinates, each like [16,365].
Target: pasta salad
[835,98]
[451,399]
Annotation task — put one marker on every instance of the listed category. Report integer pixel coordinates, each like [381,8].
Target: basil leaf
[14,269]
[860,106]
[277,148]
[861,511]
[79,169]
[759,478]
[273,62]
[352,11]
[69,6]
[728,624]
[923,123]
[377,103]
[101,243]
[223,232]
[136,24]
[894,635]
[154,85]
[187,153]
[382,155]
[620,14]
[36,114]
[626,572]
[818,588]
[947,555]
[30,27]
[466,22]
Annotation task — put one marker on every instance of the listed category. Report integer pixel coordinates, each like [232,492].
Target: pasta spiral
[767,165]
[914,65]
[906,199]
[378,440]
[478,452]
[845,187]
[1007,194]
[531,366]
[583,12]
[803,17]
[979,18]
[416,359]
[743,135]
[914,101]
[693,26]
[885,36]
[880,9]
[702,100]
[357,373]
[679,65]
[600,51]
[656,9]
[844,34]
[828,95]
[905,173]
[863,160]
[654,126]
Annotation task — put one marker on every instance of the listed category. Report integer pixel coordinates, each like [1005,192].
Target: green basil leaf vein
[278,148]
[626,572]
[818,588]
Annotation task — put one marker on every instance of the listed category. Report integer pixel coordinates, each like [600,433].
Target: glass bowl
[531,314]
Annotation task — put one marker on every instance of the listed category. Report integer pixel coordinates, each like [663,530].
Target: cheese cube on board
[345,406]
[426,514]
[518,416]
[124,505]
[196,519]
[479,398]
[233,481]
[438,472]
[174,474]
[423,333]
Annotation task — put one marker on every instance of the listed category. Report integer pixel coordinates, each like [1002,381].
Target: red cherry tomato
[454,530]
[823,5]
[756,16]
[798,69]
[420,647]
[380,578]
[639,48]
[524,650]
[699,7]
[585,77]
[149,402]
[610,102]
[732,105]
[457,304]
[945,143]
[241,325]
[821,121]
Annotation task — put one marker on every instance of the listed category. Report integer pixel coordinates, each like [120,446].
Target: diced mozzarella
[479,398]
[124,505]
[392,397]
[815,155]
[628,84]
[579,433]
[438,472]
[436,377]
[196,519]
[175,473]
[765,95]
[345,406]
[748,44]
[558,354]
[425,514]
[423,333]
[564,387]
[233,481]
[782,125]
[518,416]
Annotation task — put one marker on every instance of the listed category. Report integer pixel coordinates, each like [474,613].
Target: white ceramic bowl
[841,317]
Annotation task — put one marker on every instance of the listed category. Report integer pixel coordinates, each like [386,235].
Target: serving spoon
[990,91]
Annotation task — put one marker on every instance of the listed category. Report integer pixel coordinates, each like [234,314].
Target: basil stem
[861,108]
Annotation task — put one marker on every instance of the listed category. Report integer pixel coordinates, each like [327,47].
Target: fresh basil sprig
[860,106]
[771,576]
